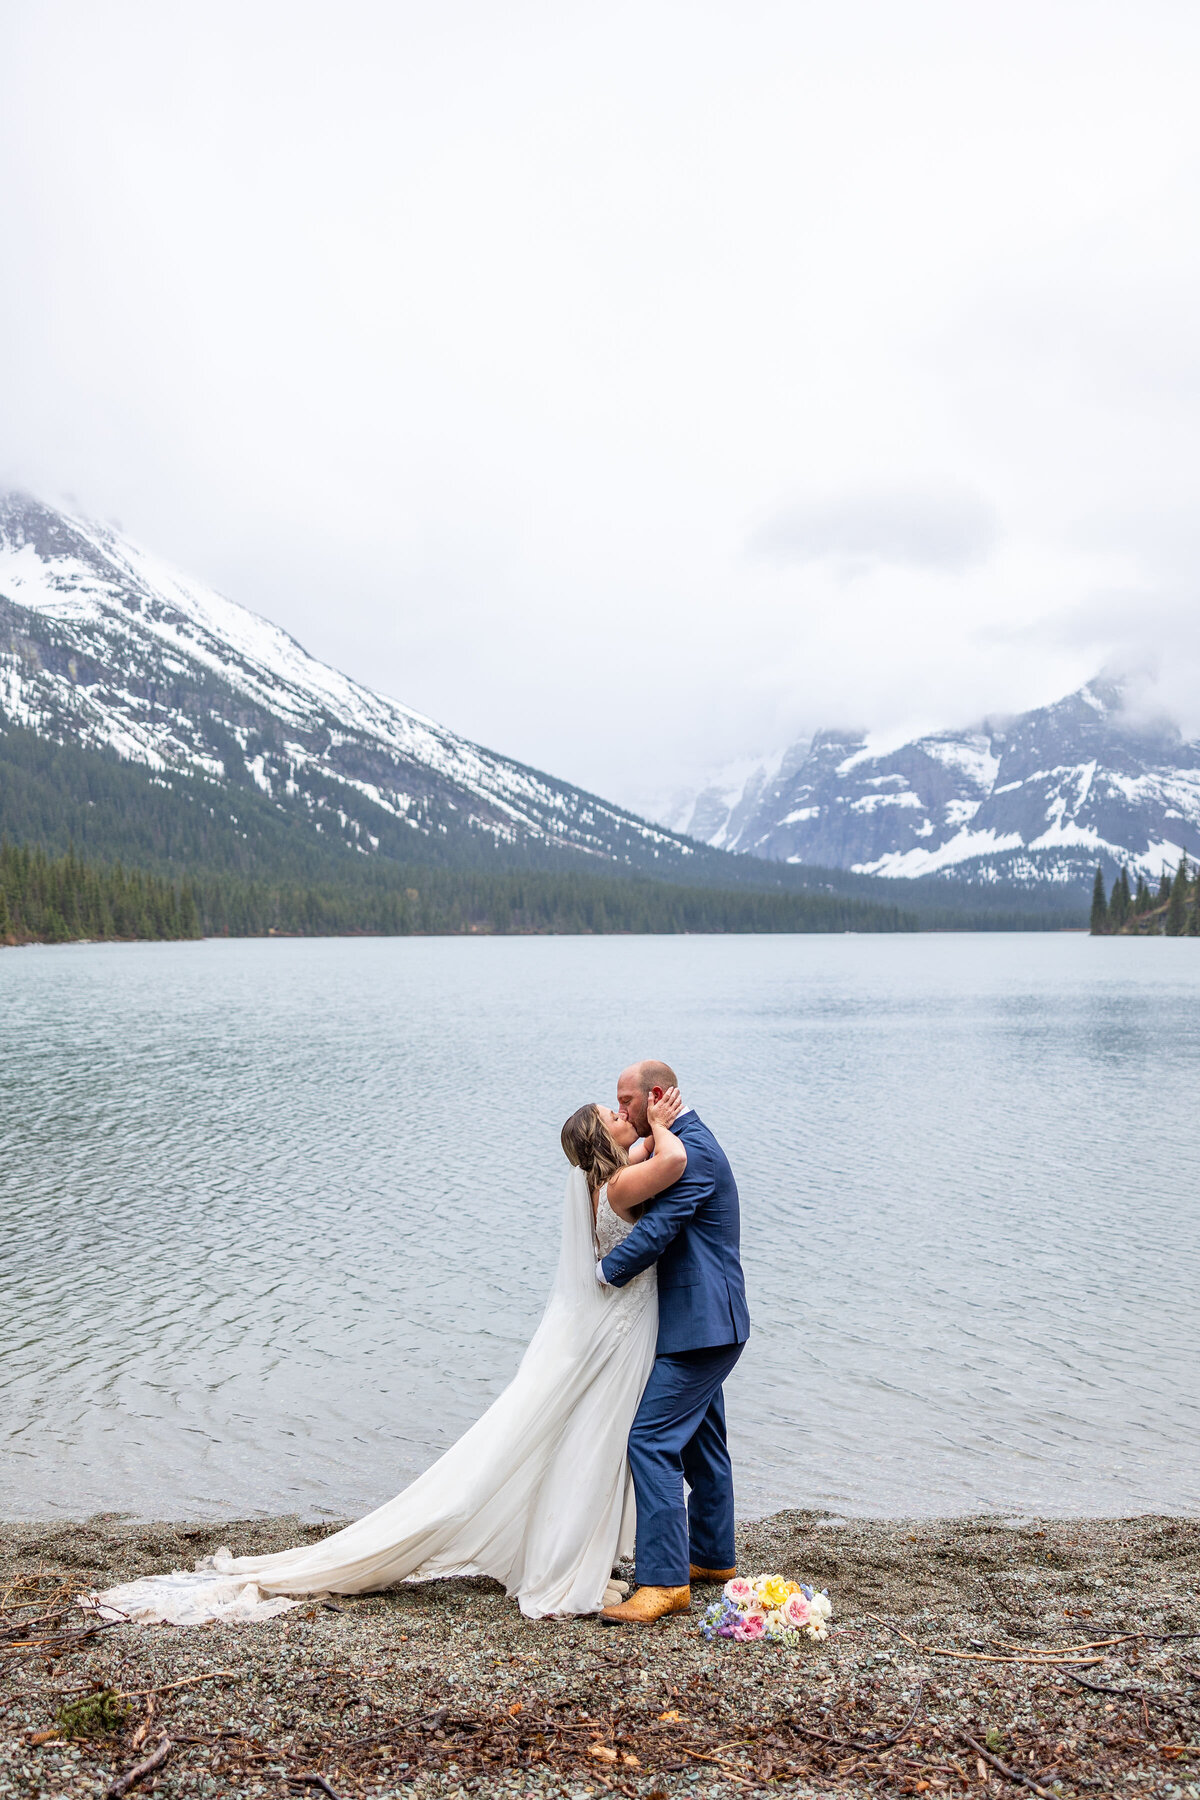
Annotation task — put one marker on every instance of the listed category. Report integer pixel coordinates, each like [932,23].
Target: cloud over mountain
[922,528]
[1040,797]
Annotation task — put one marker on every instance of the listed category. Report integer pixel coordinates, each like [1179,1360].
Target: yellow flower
[773,1590]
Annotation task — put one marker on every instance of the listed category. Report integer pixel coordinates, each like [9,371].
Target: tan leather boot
[647,1605]
[712,1574]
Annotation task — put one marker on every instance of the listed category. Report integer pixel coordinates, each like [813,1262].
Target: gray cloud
[919,528]
[464,341]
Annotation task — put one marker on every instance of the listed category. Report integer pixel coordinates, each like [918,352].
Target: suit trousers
[677,1435]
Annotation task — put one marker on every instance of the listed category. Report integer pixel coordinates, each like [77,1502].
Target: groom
[691,1231]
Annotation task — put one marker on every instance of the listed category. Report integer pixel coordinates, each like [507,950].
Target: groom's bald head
[638,1085]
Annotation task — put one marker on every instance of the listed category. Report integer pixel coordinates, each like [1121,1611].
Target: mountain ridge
[258,760]
[104,645]
[1035,798]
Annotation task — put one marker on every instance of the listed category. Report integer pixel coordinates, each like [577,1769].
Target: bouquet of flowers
[769,1609]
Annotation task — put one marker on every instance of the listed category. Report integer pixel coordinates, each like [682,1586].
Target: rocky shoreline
[938,1677]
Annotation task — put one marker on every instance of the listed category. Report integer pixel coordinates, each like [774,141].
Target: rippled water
[279,1216]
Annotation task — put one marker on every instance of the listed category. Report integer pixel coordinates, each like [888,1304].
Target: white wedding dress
[536,1494]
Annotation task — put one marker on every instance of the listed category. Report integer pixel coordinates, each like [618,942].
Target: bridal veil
[536,1494]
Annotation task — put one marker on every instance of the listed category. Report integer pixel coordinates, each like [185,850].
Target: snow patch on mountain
[962,847]
[103,643]
[1040,797]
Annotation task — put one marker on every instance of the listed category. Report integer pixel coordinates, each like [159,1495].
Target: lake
[279,1216]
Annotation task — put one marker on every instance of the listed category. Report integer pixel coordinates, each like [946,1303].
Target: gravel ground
[443,1689]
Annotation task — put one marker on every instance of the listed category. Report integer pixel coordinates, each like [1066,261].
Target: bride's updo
[588,1145]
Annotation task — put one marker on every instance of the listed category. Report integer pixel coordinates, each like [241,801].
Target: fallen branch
[1027,1662]
[66,1588]
[1098,1687]
[1142,1693]
[614,1787]
[732,1771]
[62,1640]
[313,1781]
[143,1731]
[1042,1658]
[880,1742]
[23,1627]
[139,1771]
[1003,1768]
[1130,1637]
[145,1693]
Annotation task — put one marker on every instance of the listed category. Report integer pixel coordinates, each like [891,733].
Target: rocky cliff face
[1042,797]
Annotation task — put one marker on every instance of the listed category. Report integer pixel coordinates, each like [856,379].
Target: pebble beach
[985,1655]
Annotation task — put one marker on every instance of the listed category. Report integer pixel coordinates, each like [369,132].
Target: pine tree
[1177,900]
[189,916]
[1141,900]
[1164,887]
[1100,924]
[1121,904]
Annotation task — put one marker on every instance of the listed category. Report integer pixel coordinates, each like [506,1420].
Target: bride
[537,1493]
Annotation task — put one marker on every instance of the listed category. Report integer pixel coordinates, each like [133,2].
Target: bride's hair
[588,1145]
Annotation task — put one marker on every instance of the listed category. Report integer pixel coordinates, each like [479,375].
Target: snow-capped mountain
[103,645]
[725,806]
[1041,797]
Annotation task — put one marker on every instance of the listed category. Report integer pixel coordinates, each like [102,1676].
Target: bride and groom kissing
[615,1411]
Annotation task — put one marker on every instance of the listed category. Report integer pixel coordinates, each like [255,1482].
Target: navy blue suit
[692,1232]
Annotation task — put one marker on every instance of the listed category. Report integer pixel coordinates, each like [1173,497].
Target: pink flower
[750,1628]
[740,1592]
[797,1612]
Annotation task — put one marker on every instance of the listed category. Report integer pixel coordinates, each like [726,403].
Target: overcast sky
[631,387]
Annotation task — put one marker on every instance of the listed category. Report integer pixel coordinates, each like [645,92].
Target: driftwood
[139,1771]
[58,1640]
[1144,1694]
[318,1781]
[23,1627]
[143,1731]
[1134,1637]
[1003,1768]
[1039,1658]
[187,1680]
[882,1741]
[732,1772]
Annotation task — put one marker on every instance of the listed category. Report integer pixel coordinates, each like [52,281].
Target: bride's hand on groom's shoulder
[666,1110]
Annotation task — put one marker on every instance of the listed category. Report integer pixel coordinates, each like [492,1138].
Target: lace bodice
[610,1229]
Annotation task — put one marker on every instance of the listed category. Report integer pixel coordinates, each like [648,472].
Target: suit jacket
[692,1231]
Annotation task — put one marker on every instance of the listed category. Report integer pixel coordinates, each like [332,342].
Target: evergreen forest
[95,847]
[1172,909]
[57,899]
[45,899]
